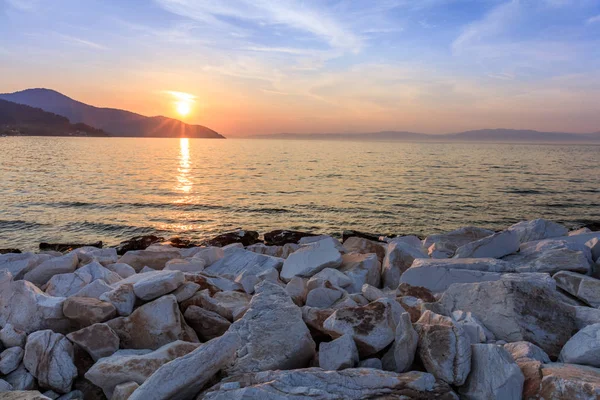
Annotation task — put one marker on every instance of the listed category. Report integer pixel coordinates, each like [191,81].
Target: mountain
[19,119]
[481,135]
[117,122]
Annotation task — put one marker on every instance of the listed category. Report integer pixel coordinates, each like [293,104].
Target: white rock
[20,263]
[297,290]
[21,379]
[360,245]
[569,240]
[309,260]
[372,293]
[361,269]
[585,316]
[157,283]
[441,250]
[340,353]
[124,270]
[323,297]
[494,246]
[42,273]
[583,348]
[123,298]
[323,241]
[580,231]
[583,287]
[398,258]
[188,265]
[472,326]
[122,367]
[494,375]
[273,334]
[49,358]
[66,285]
[138,259]
[185,291]
[453,240]
[11,337]
[537,229]
[231,248]
[184,377]
[230,305]
[330,275]
[411,240]
[524,350]
[10,359]
[88,254]
[402,353]
[371,363]
[210,255]
[94,289]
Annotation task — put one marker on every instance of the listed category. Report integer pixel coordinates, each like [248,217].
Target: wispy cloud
[285,50]
[593,20]
[81,42]
[24,5]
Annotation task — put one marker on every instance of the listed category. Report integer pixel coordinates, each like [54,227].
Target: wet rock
[494,246]
[184,377]
[372,326]
[138,259]
[340,353]
[361,269]
[273,334]
[152,325]
[457,238]
[122,298]
[309,260]
[524,350]
[280,237]
[21,379]
[123,366]
[494,375]
[537,229]
[49,358]
[365,246]
[10,251]
[98,340]
[583,287]
[85,311]
[583,348]
[515,310]
[11,337]
[246,238]
[348,233]
[398,258]
[402,353]
[207,324]
[444,348]
[315,383]
[137,243]
[67,247]
[10,359]
[42,273]
[124,390]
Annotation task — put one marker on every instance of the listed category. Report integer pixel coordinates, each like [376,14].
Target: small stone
[340,353]
[54,266]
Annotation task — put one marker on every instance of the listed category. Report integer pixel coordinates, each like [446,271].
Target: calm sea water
[88,189]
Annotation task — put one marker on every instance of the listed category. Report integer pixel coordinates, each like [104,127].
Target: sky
[245,67]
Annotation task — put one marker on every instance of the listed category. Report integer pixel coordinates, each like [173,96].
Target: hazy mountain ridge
[481,135]
[119,123]
[20,119]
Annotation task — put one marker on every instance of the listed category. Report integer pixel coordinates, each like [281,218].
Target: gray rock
[124,270]
[121,367]
[494,246]
[583,348]
[21,379]
[184,377]
[551,260]
[398,258]
[333,276]
[42,273]
[124,390]
[207,324]
[49,358]
[94,289]
[122,298]
[157,283]
[138,259]
[473,327]
[98,340]
[361,269]
[297,290]
[104,256]
[580,231]
[11,337]
[444,348]
[153,325]
[309,260]
[494,375]
[323,297]
[5,386]
[230,305]
[20,263]
[537,229]
[583,287]
[363,246]
[371,363]
[340,353]
[457,238]
[585,316]
[10,359]
[210,255]
[68,284]
[24,395]
[185,291]
[525,350]
[315,383]
[186,265]
[568,381]
[273,334]
[402,353]
[594,245]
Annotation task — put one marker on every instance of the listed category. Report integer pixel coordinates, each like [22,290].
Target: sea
[81,190]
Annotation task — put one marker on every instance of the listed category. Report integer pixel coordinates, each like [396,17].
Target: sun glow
[183,103]
[183,108]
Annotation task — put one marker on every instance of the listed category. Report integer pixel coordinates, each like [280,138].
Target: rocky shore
[470,314]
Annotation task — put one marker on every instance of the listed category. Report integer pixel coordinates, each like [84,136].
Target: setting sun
[183,108]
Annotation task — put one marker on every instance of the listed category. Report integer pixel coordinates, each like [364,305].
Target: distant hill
[19,119]
[482,135]
[117,122]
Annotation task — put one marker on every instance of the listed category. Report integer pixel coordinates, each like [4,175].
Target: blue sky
[262,66]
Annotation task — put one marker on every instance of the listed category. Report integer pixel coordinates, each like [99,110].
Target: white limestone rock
[207,324]
[21,379]
[552,257]
[138,259]
[124,390]
[361,269]
[123,298]
[372,293]
[210,255]
[94,289]
[66,285]
[18,264]
[494,246]
[324,297]
[49,358]
[444,348]
[401,355]
[583,348]
[583,287]
[273,334]
[568,381]
[457,238]
[185,291]
[184,377]
[87,254]
[10,359]
[157,283]
[11,337]
[309,260]
[340,353]
[42,273]
[398,258]
[330,275]
[323,241]
[297,290]
[122,269]
[123,367]
[230,305]
[537,229]
[186,265]
[494,375]
[358,245]
[473,327]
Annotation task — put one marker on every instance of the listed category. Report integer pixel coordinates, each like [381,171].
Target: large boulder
[457,238]
[66,285]
[11,337]
[494,375]
[209,255]
[207,324]
[42,273]
[138,259]
[20,263]
[400,356]
[315,383]
[228,304]
[585,316]
[157,283]
[399,257]
[361,269]
[27,308]
[494,246]
[98,340]
[360,245]
[49,358]
[515,310]
[583,348]
[583,287]
[569,381]
[184,377]
[524,350]
[444,348]
[127,366]
[552,257]
[372,326]
[438,274]
[538,229]
[85,311]
[10,359]
[273,334]
[153,325]
[340,353]
[122,297]
[310,259]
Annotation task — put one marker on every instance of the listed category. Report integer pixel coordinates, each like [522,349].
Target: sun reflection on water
[184,181]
